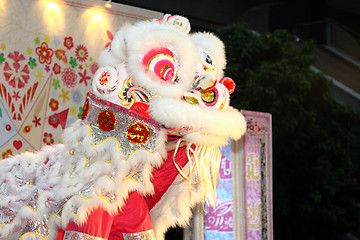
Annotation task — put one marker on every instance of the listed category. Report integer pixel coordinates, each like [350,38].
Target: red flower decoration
[54,120]
[69,77]
[68,42]
[56,68]
[6,154]
[45,53]
[48,140]
[54,104]
[15,75]
[84,77]
[81,53]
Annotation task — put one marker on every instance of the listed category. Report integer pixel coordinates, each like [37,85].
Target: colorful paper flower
[48,140]
[54,104]
[68,42]
[45,53]
[16,76]
[32,62]
[47,68]
[54,120]
[7,153]
[56,68]
[69,77]
[56,83]
[2,58]
[73,62]
[81,53]
[84,77]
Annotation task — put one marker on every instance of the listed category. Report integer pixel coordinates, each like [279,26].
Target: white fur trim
[173,113]
[215,47]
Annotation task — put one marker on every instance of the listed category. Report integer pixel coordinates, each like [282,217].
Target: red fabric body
[134,217]
[164,176]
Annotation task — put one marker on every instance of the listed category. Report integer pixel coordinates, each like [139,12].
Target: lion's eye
[161,62]
[207,58]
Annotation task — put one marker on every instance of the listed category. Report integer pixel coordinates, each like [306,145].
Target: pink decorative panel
[244,193]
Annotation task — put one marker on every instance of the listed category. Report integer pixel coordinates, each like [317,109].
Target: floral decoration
[48,139]
[94,67]
[84,77]
[16,76]
[73,110]
[73,62]
[69,77]
[56,68]
[54,120]
[54,104]
[81,109]
[45,53]
[77,96]
[15,96]
[64,95]
[56,83]
[37,41]
[7,153]
[2,58]
[36,121]
[68,42]
[32,62]
[81,53]
[67,63]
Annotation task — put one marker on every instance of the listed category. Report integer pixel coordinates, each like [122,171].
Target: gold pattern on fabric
[73,235]
[147,235]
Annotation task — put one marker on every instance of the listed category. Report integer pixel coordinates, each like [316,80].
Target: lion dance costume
[147,147]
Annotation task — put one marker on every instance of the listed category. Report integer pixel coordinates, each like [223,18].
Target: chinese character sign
[219,222]
[244,192]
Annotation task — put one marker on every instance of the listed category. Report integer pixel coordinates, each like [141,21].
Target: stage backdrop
[48,53]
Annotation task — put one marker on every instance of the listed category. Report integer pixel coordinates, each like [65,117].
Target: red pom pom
[228,83]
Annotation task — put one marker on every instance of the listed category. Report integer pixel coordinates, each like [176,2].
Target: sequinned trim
[73,235]
[147,235]
[122,109]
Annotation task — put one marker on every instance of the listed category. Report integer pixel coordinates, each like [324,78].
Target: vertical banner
[257,160]
[218,223]
[244,192]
